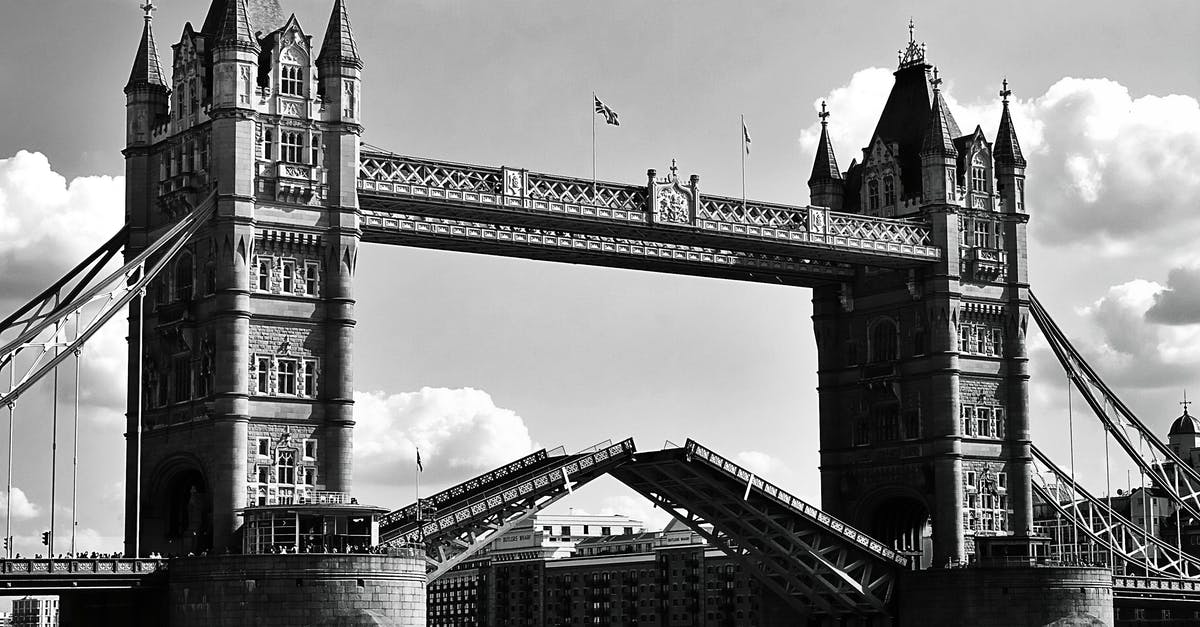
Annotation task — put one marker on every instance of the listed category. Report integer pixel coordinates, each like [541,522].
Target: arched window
[889,190]
[884,340]
[978,174]
[291,80]
[873,195]
[183,278]
[286,466]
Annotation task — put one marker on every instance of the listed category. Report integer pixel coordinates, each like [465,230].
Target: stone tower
[923,378]
[245,341]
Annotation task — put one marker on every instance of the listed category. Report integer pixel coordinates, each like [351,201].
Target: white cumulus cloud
[22,507]
[460,432]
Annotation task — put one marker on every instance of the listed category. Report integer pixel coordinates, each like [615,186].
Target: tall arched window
[291,80]
[884,340]
[183,278]
[889,190]
[873,195]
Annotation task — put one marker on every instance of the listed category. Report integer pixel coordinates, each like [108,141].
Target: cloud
[854,110]
[762,464]
[638,508]
[461,433]
[22,507]
[1179,302]
[47,225]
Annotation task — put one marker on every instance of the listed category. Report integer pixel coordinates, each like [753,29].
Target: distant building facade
[584,570]
[35,612]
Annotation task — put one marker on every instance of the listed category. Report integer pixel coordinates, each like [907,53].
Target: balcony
[984,264]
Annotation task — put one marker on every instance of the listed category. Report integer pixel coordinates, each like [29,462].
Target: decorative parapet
[665,202]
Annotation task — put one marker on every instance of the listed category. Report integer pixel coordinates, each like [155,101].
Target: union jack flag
[610,116]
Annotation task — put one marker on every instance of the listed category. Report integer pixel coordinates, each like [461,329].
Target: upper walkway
[664,225]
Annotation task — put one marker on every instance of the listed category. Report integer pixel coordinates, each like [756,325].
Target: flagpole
[418,474]
[742,137]
[592,108]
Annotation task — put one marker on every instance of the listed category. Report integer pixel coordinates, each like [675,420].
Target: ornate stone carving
[672,206]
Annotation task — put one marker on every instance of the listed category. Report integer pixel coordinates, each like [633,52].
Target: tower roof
[235,27]
[339,45]
[1007,149]
[906,115]
[939,136]
[146,69]
[825,167]
[1185,425]
[261,16]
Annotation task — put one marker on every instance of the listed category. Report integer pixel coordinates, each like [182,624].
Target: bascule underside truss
[813,561]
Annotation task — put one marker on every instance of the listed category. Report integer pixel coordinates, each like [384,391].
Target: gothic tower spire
[825,185]
[339,46]
[939,157]
[235,28]
[147,72]
[1008,149]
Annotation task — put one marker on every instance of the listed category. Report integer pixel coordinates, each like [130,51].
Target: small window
[263,368]
[264,474]
[1002,480]
[268,144]
[983,422]
[998,342]
[889,190]
[310,449]
[566,530]
[286,467]
[183,278]
[873,195]
[264,274]
[288,274]
[970,478]
[210,279]
[264,447]
[978,178]
[983,233]
[968,420]
[310,476]
[286,377]
[883,341]
[181,368]
[291,146]
[316,150]
[310,378]
[606,531]
[291,80]
[311,276]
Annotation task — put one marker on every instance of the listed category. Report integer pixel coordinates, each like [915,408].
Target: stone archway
[182,507]
[903,523]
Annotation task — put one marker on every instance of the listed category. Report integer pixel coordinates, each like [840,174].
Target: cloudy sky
[480,359]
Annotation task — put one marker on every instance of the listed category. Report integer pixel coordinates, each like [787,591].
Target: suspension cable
[75,445]
[1074,485]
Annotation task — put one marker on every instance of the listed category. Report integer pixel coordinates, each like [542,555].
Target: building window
[264,446]
[310,449]
[210,279]
[310,476]
[288,274]
[967,422]
[889,422]
[983,233]
[912,424]
[204,381]
[264,473]
[263,370]
[310,378]
[286,377]
[291,80]
[983,422]
[861,433]
[286,467]
[183,278]
[873,195]
[182,371]
[883,341]
[1020,196]
[889,190]
[264,274]
[291,147]
[316,149]
[267,144]
[311,276]
[970,478]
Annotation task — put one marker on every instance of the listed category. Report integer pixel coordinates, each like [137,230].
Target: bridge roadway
[58,576]
[665,225]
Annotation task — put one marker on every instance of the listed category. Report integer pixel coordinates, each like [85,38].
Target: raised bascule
[249,192]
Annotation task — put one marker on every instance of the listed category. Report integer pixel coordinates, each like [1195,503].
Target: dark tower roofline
[339,46]
[147,71]
[1007,148]
[825,166]
[939,140]
[235,28]
[263,16]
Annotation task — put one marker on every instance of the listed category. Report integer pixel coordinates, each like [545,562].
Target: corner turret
[340,69]
[825,185]
[1010,163]
[938,155]
[147,96]
[235,59]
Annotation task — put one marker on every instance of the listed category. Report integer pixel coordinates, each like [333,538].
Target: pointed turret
[1009,162]
[147,97]
[938,155]
[339,47]
[235,31]
[825,185]
[147,72]
[1008,149]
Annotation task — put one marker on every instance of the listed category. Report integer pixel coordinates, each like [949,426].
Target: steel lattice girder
[462,530]
[814,568]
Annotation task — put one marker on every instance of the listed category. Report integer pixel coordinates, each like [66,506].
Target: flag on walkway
[610,116]
[419,466]
[746,136]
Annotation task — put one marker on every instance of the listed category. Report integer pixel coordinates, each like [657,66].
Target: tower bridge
[249,192]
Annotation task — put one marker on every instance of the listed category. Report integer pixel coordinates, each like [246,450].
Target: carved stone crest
[672,206]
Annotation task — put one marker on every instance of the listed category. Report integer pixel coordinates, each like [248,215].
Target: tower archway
[179,519]
[903,522]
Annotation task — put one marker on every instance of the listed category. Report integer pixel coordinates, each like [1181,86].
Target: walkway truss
[819,564]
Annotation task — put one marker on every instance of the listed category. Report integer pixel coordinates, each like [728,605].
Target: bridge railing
[81,566]
[467,487]
[624,205]
[796,504]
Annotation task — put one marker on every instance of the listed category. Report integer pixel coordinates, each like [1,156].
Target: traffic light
[7,544]
[46,538]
